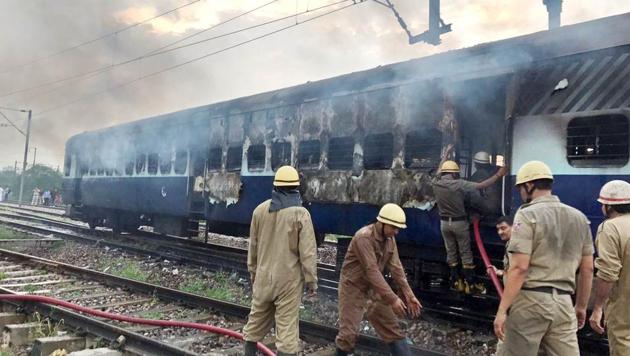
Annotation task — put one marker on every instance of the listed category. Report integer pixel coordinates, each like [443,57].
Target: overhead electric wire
[102,37]
[12,124]
[354,2]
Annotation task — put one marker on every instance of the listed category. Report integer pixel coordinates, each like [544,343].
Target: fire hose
[163,323]
[486,261]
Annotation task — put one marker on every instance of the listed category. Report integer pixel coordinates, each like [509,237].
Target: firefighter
[550,242]
[488,200]
[613,267]
[282,257]
[363,289]
[451,194]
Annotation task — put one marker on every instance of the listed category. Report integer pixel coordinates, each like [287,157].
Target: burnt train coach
[372,137]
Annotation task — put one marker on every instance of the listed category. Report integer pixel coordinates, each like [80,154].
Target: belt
[457,218]
[548,290]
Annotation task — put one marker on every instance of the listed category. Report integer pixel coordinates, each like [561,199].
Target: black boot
[472,285]
[340,352]
[399,348]
[250,348]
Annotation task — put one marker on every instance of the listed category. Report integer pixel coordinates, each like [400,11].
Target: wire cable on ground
[102,37]
[129,319]
[47,110]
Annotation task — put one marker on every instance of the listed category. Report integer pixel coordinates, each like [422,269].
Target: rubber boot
[456,282]
[250,348]
[399,348]
[471,285]
[340,352]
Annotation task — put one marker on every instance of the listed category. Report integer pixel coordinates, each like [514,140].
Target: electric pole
[34,156]
[28,135]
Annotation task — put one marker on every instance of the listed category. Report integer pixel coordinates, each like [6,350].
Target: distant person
[7,193]
[57,201]
[1,194]
[36,197]
[46,197]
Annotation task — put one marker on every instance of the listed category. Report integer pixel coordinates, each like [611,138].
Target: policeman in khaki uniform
[451,193]
[613,267]
[363,289]
[549,242]
[282,257]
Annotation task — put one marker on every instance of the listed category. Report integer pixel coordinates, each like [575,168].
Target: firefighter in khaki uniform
[282,257]
[613,267]
[550,240]
[362,286]
[451,194]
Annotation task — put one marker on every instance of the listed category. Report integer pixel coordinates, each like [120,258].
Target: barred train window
[309,154]
[181,162]
[280,154]
[340,152]
[214,159]
[165,162]
[129,168]
[234,158]
[423,149]
[152,167]
[256,157]
[378,151]
[598,141]
[140,162]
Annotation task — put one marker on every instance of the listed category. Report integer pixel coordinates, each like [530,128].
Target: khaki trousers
[456,235]
[618,327]
[283,306]
[540,320]
[353,304]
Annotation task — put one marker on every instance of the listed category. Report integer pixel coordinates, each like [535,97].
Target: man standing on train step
[363,289]
[613,267]
[282,257]
[550,242]
[451,194]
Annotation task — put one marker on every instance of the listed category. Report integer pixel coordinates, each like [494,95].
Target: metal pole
[28,135]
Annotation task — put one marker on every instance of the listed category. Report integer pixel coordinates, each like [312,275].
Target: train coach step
[44,346]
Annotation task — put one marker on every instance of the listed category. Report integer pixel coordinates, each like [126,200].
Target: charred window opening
[140,162]
[181,162]
[100,171]
[152,166]
[423,149]
[109,172]
[280,154]
[309,154]
[256,157]
[66,165]
[598,141]
[165,163]
[199,163]
[84,167]
[340,152]
[129,168]
[214,159]
[234,158]
[378,151]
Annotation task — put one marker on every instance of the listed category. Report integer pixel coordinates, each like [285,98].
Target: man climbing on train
[612,287]
[487,201]
[550,242]
[451,193]
[282,257]
[363,289]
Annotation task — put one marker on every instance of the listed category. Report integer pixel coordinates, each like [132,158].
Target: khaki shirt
[368,255]
[282,246]
[556,236]
[451,195]
[613,264]
[506,261]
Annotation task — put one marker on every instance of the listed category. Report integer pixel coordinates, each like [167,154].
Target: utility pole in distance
[28,136]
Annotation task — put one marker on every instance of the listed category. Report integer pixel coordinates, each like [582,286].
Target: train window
[340,152]
[309,154]
[152,166]
[109,172]
[100,171]
[140,163]
[181,162]
[256,157]
[66,165]
[199,163]
[423,149]
[280,154]
[84,168]
[129,168]
[165,163]
[598,141]
[234,158]
[378,151]
[214,159]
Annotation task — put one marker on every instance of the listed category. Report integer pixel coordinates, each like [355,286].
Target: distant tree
[37,176]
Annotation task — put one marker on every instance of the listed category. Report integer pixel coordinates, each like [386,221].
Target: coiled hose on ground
[163,323]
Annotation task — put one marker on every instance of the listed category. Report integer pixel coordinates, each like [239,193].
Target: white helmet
[615,192]
[482,157]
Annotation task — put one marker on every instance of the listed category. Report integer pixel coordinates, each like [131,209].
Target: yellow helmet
[392,214]
[533,170]
[449,167]
[615,192]
[286,176]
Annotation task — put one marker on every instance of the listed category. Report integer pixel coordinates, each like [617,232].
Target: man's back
[613,263]
[451,195]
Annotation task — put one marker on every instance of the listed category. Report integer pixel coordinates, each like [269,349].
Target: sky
[359,37]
